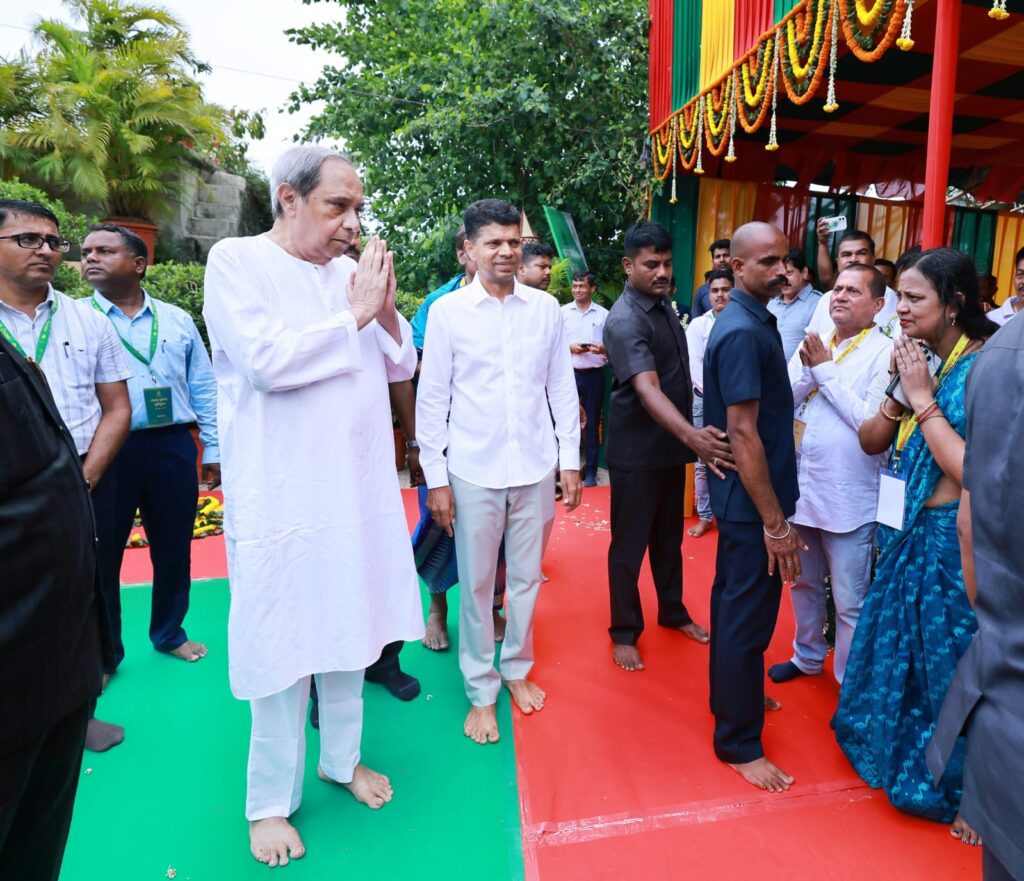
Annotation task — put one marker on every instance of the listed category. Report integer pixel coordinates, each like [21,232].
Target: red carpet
[617,776]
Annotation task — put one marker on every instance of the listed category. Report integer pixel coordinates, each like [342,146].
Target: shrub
[72,226]
[182,285]
[407,304]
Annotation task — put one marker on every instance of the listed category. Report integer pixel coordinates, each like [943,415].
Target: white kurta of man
[319,559]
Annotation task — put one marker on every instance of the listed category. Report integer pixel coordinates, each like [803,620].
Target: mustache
[779,280]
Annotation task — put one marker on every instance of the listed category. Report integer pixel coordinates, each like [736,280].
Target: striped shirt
[83,350]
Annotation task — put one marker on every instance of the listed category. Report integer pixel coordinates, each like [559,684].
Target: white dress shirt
[83,350]
[490,370]
[821,322]
[697,333]
[1005,312]
[585,327]
[838,480]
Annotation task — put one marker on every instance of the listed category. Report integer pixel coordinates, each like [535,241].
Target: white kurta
[319,557]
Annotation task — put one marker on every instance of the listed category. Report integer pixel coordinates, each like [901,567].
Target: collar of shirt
[49,302]
[642,300]
[108,307]
[478,293]
[590,307]
[805,293]
[753,306]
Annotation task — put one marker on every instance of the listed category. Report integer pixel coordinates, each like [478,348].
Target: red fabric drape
[751,19]
[785,208]
[660,69]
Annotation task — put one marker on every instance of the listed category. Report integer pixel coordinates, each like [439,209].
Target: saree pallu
[915,625]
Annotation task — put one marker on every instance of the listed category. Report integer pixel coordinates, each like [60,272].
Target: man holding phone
[584,326]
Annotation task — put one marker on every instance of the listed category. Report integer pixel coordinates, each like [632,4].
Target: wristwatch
[412,445]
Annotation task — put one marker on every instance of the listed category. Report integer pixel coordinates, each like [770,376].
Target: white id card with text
[892,493]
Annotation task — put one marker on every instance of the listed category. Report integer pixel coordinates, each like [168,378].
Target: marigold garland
[802,78]
[868,18]
[869,42]
[761,62]
[717,113]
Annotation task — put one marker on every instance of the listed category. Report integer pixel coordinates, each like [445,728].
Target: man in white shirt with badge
[855,247]
[584,326]
[496,372]
[305,342]
[837,383]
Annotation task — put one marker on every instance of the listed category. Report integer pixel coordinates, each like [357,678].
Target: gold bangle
[885,413]
[923,413]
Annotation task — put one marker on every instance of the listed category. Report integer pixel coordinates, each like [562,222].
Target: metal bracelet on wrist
[789,529]
[412,445]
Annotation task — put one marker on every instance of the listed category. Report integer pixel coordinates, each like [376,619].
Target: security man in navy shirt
[746,388]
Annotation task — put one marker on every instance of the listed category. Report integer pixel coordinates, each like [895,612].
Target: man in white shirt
[584,326]
[855,247]
[304,344]
[1012,305]
[79,353]
[838,381]
[495,357]
[697,332]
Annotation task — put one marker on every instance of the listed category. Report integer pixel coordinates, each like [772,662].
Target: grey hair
[299,167]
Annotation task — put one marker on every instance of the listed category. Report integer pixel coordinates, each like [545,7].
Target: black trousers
[590,386]
[992,869]
[744,609]
[155,472]
[38,783]
[647,516]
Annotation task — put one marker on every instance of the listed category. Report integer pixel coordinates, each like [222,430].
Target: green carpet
[173,794]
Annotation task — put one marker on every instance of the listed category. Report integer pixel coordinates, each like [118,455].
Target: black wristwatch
[412,445]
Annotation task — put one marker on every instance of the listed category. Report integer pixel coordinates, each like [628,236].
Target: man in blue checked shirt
[155,472]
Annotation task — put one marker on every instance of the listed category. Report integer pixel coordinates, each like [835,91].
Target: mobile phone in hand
[895,389]
[835,224]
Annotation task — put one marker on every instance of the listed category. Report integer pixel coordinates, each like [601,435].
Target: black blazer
[50,606]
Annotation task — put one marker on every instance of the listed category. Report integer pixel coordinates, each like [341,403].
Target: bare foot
[763,774]
[436,637]
[372,789]
[699,528]
[695,632]
[964,832]
[627,657]
[190,651]
[482,724]
[528,696]
[274,840]
[771,704]
[499,625]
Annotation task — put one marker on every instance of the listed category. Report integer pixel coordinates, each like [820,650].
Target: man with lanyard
[155,472]
[835,388]
[584,326]
[80,356]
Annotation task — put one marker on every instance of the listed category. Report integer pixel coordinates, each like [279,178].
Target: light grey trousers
[523,515]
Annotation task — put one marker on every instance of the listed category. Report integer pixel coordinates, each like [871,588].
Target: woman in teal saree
[917,621]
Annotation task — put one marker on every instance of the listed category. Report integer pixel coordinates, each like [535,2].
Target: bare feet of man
[627,657]
[699,528]
[273,840]
[481,724]
[372,789]
[499,625]
[190,651]
[763,774]
[695,632]
[964,832]
[436,637]
[527,696]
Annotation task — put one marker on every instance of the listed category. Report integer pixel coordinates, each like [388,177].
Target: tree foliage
[442,102]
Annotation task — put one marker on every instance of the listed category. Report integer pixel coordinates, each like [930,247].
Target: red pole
[940,121]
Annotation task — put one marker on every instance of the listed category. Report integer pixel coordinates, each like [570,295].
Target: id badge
[892,499]
[799,427]
[159,410]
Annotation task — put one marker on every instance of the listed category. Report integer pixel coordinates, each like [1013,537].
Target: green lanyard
[152,336]
[41,343]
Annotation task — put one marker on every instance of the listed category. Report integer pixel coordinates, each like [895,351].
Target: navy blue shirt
[744,362]
[643,334]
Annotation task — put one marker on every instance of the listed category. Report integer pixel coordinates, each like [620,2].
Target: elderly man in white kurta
[322,576]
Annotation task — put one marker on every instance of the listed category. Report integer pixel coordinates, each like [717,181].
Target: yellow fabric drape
[886,223]
[716,38]
[1009,240]
[724,205]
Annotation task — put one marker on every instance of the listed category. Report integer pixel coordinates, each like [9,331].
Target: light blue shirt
[793,318]
[180,363]
[419,320]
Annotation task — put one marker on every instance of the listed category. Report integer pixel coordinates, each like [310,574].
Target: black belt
[587,369]
[162,429]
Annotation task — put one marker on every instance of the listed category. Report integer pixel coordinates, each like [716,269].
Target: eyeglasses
[33,241]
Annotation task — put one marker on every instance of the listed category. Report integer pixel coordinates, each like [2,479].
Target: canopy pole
[940,121]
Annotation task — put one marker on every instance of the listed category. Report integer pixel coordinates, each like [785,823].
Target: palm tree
[116,108]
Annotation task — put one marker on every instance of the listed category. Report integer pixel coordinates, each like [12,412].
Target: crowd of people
[840,448]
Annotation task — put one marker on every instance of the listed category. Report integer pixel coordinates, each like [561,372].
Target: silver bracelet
[789,529]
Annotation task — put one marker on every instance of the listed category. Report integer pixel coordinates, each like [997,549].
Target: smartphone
[895,390]
[835,224]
